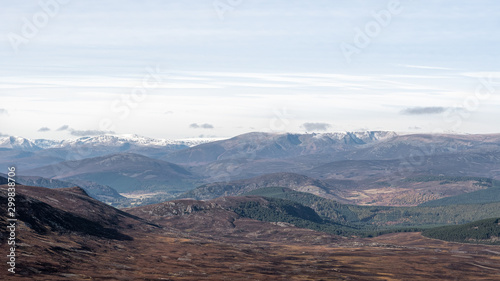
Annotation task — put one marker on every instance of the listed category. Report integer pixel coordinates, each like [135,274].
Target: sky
[202,68]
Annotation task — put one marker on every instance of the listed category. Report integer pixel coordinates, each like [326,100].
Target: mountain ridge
[274,146]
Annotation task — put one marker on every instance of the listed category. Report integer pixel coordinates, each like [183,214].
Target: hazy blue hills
[33,153]
[366,168]
[275,146]
[101,192]
[3,180]
[343,156]
[124,172]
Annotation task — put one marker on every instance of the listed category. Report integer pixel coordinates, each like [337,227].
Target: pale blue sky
[262,66]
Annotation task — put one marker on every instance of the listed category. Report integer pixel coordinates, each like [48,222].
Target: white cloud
[201,126]
[43,129]
[423,110]
[316,126]
[84,133]
[63,128]
[234,73]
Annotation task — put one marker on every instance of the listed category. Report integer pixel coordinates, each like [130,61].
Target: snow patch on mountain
[25,144]
[13,142]
[364,136]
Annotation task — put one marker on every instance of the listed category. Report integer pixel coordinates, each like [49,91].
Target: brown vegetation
[215,244]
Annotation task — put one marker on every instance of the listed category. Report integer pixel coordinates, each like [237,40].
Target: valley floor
[176,256]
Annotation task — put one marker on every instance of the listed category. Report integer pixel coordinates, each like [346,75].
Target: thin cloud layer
[423,110]
[84,133]
[237,75]
[63,128]
[201,126]
[44,129]
[316,126]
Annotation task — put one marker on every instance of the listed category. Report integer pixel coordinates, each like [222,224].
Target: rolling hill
[223,213]
[234,188]
[488,195]
[65,211]
[485,231]
[379,191]
[124,172]
[102,193]
[377,218]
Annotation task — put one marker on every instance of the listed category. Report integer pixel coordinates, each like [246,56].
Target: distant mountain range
[352,167]
[347,156]
[29,154]
[265,203]
[275,146]
[25,144]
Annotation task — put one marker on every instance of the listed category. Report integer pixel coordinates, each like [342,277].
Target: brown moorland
[102,243]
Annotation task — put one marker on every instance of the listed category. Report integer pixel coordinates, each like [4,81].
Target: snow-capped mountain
[365,136]
[31,153]
[27,153]
[44,143]
[277,146]
[18,143]
[26,144]
[131,139]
